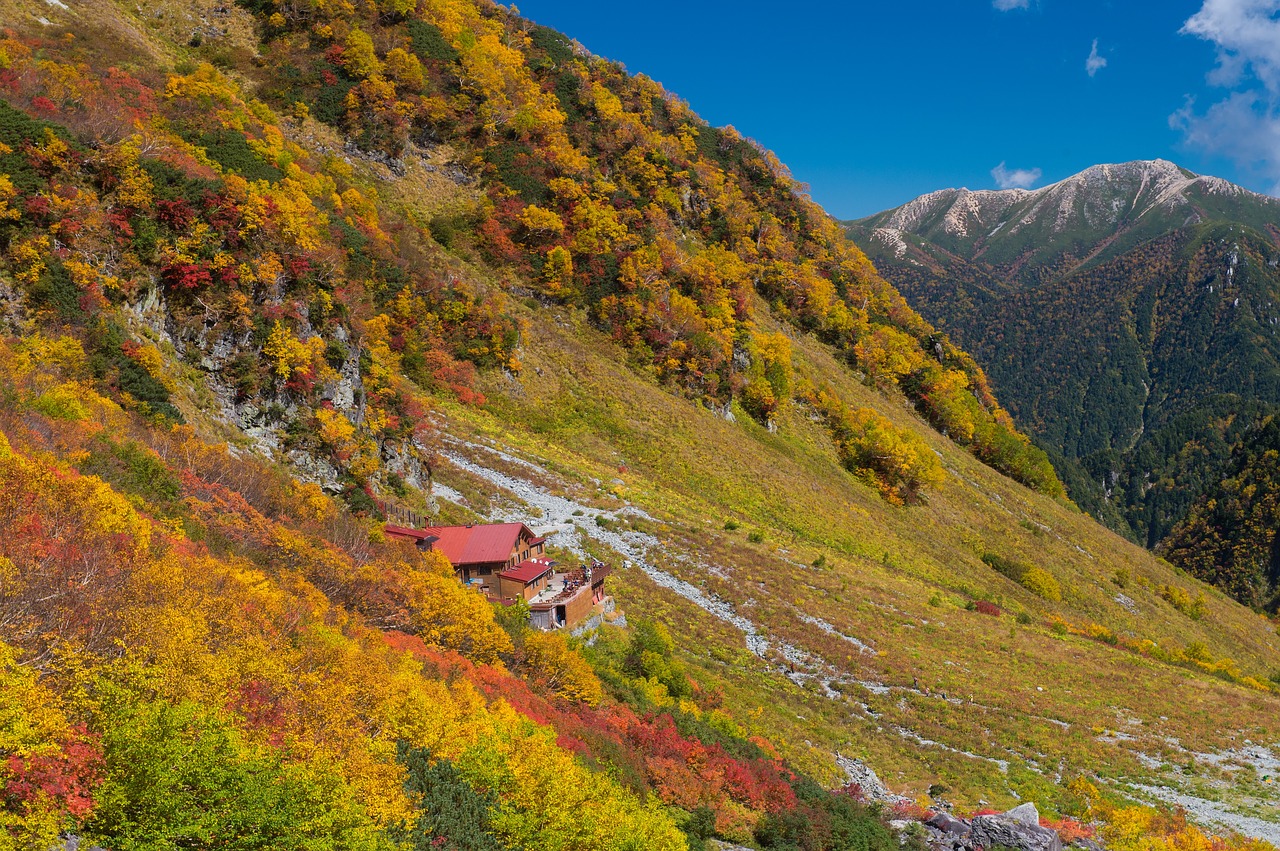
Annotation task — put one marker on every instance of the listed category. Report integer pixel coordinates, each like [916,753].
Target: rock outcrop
[1019,828]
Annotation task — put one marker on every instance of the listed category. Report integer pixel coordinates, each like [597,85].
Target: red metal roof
[480,544]
[413,534]
[527,572]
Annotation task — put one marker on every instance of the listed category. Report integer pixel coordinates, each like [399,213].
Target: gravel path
[572,520]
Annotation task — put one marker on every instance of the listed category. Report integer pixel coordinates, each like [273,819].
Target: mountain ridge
[1132,297]
[1106,200]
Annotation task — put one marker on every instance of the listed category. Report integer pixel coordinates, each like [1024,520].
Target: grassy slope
[579,413]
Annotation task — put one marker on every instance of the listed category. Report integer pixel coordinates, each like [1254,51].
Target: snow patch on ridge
[1153,184]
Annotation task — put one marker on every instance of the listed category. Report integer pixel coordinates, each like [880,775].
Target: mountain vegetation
[1229,536]
[1127,316]
[272,272]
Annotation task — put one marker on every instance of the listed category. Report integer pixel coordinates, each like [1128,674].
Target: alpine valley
[285,286]
[1130,318]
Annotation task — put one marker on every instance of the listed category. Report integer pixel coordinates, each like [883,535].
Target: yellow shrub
[553,664]
[450,615]
[537,219]
[62,403]
[1041,582]
[334,429]
[558,272]
[1181,600]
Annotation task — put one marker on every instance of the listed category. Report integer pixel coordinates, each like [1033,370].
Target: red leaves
[37,208]
[185,276]
[985,607]
[297,266]
[687,772]
[177,215]
[223,215]
[497,239]
[262,708]
[118,221]
[1069,829]
[68,777]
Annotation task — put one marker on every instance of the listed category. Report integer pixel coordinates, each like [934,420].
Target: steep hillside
[1127,316]
[272,272]
[1229,536]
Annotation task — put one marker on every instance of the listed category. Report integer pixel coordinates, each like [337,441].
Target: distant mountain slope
[1128,316]
[1229,537]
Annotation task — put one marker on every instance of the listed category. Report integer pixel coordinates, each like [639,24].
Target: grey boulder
[1019,828]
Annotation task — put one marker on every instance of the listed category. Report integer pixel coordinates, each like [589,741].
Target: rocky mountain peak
[1090,207]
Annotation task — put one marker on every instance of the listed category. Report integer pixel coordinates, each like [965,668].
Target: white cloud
[1014,178]
[1008,5]
[1245,126]
[1247,35]
[1094,63]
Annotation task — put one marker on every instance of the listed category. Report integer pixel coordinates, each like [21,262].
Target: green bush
[229,149]
[453,816]
[57,292]
[17,130]
[180,776]
[651,655]
[429,43]
[61,403]
[557,46]
[134,469]
[109,362]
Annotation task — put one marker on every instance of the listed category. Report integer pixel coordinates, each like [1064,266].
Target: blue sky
[872,104]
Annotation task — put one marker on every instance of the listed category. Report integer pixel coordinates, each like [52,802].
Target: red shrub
[185,276]
[68,777]
[177,215]
[1069,829]
[911,811]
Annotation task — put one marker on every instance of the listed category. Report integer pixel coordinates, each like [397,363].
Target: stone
[1025,813]
[988,831]
[72,842]
[857,771]
[950,827]
[948,824]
